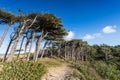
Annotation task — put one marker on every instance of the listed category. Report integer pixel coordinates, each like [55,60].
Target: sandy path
[58,73]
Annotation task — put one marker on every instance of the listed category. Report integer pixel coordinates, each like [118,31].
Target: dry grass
[50,62]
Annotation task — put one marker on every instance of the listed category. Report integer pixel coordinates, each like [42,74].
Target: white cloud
[109,29]
[89,37]
[69,36]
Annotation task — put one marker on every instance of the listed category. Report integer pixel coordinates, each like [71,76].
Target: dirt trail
[58,73]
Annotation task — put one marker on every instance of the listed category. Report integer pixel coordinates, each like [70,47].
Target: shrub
[108,71]
[83,68]
[22,71]
[77,75]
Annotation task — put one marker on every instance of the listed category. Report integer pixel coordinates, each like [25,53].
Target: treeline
[78,50]
[73,50]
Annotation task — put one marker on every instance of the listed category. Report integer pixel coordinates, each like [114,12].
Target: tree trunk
[4,58]
[35,50]
[4,35]
[106,56]
[33,37]
[26,46]
[73,52]
[65,52]
[59,50]
[85,57]
[18,38]
[15,44]
[42,53]
[82,58]
[20,47]
[38,48]
[38,45]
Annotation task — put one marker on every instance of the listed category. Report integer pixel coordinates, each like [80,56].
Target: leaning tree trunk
[33,37]
[26,47]
[20,47]
[4,58]
[12,38]
[37,49]
[38,45]
[18,38]
[42,53]
[15,44]
[4,35]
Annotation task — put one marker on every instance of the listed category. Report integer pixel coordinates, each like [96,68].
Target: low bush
[108,71]
[83,68]
[77,75]
[22,71]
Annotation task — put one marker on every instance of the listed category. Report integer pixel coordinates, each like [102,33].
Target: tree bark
[20,47]
[6,53]
[26,47]
[73,52]
[4,35]
[65,52]
[18,38]
[38,45]
[42,53]
[38,48]
[33,37]
[35,50]
[59,50]
[15,44]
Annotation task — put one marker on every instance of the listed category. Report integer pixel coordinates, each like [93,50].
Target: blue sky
[95,21]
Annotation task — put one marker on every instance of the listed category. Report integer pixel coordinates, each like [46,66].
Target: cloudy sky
[94,21]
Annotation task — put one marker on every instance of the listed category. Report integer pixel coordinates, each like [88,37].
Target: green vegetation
[22,71]
[86,71]
[51,62]
[77,75]
[108,71]
[31,70]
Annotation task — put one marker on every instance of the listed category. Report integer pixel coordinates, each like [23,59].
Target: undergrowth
[22,71]
[108,71]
